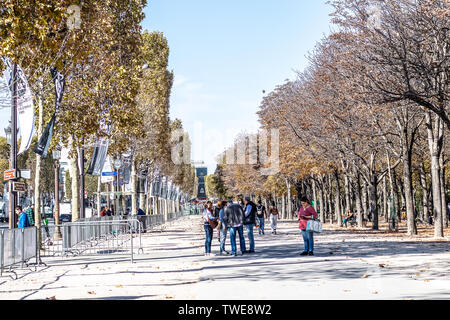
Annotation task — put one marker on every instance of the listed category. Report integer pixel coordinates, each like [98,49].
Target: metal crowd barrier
[102,235]
[18,246]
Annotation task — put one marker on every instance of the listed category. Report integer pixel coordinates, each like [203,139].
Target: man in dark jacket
[250,221]
[233,217]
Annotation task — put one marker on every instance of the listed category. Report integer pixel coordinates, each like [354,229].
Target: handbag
[314,226]
[213,223]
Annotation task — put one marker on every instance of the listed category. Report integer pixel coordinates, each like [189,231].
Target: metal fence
[103,235]
[18,246]
[92,236]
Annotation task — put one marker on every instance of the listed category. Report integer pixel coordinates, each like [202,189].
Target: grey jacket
[233,216]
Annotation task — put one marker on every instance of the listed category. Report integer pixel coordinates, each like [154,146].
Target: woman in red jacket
[305,213]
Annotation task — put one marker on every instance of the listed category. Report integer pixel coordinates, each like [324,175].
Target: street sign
[18,187]
[25,173]
[10,174]
[109,174]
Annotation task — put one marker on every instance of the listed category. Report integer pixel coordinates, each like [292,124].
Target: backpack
[260,212]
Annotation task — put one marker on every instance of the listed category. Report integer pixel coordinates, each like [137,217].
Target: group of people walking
[231,217]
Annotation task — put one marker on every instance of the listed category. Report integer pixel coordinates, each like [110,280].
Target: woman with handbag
[208,222]
[305,213]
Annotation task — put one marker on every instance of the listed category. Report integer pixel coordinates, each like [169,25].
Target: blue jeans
[308,238]
[251,239]
[261,225]
[240,230]
[208,238]
[223,237]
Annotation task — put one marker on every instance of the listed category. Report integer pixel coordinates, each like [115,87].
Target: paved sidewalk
[345,266]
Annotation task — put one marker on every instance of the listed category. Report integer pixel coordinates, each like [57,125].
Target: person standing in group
[222,227]
[250,221]
[260,214]
[273,216]
[207,217]
[103,212]
[216,215]
[305,213]
[23,218]
[233,218]
[30,213]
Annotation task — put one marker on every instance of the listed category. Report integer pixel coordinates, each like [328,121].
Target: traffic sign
[18,187]
[10,174]
[109,174]
[25,173]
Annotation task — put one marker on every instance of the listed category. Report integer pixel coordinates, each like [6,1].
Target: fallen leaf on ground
[169,297]
[91,292]
[375,292]
[365,276]
[381,265]
[51,298]
[119,286]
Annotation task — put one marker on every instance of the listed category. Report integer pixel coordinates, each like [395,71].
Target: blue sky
[223,54]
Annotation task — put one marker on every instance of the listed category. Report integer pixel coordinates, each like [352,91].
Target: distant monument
[201,173]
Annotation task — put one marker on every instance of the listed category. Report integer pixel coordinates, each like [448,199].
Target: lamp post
[82,184]
[13,141]
[117,165]
[57,156]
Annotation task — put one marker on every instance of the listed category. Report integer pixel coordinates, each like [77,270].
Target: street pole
[57,234]
[117,190]
[82,203]
[13,155]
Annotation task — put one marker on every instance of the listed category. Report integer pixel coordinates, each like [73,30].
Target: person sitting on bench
[350,217]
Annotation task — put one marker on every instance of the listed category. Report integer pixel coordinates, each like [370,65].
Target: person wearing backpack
[273,212]
[260,214]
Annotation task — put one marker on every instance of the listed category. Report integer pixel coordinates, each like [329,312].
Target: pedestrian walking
[30,213]
[207,217]
[261,214]
[23,218]
[305,213]
[249,222]
[222,227]
[274,213]
[233,217]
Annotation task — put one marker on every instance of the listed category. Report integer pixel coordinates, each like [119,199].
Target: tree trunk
[443,198]
[74,174]
[373,200]
[435,141]
[385,203]
[338,200]
[359,208]
[407,181]
[321,203]
[364,201]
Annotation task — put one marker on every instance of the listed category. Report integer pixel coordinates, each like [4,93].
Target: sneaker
[310,253]
[212,255]
[263,232]
[244,252]
[251,251]
[304,253]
